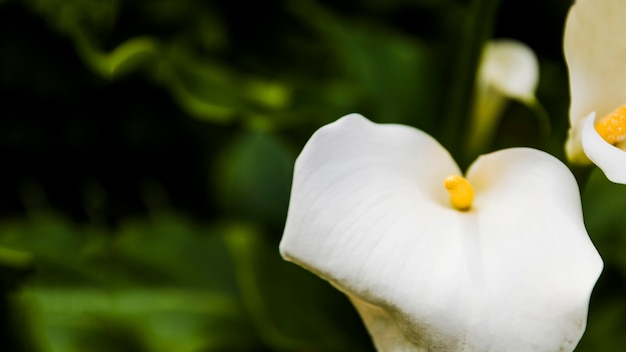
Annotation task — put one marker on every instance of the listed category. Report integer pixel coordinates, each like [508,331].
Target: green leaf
[162,284]
[126,57]
[140,319]
[398,75]
[254,175]
[215,92]
[48,238]
[15,266]
[172,250]
[291,309]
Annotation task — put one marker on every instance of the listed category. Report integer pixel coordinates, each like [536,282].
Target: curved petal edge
[609,158]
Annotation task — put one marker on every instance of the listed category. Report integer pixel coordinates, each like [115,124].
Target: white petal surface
[508,70]
[595,51]
[369,213]
[511,67]
[609,158]
[539,263]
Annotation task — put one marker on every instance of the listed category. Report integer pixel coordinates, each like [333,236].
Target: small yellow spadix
[613,126]
[461,192]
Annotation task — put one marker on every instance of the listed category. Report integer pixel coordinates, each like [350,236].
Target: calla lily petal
[595,52]
[369,213]
[508,70]
[511,67]
[610,159]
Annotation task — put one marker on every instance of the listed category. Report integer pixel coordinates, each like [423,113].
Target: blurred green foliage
[148,149]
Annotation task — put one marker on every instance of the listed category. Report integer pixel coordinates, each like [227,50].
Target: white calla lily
[370,214]
[510,67]
[508,70]
[595,51]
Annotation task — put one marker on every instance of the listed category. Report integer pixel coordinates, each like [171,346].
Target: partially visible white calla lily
[370,214]
[595,52]
[508,70]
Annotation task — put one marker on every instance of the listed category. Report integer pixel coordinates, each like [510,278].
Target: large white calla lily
[595,51]
[370,214]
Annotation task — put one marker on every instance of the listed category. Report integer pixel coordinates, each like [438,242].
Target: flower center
[461,192]
[613,126]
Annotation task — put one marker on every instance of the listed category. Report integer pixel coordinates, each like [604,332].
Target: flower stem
[475,30]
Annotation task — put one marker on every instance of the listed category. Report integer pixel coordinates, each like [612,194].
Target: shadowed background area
[147,150]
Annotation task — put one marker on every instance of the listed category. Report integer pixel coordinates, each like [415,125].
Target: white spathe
[511,67]
[369,213]
[508,70]
[595,51]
